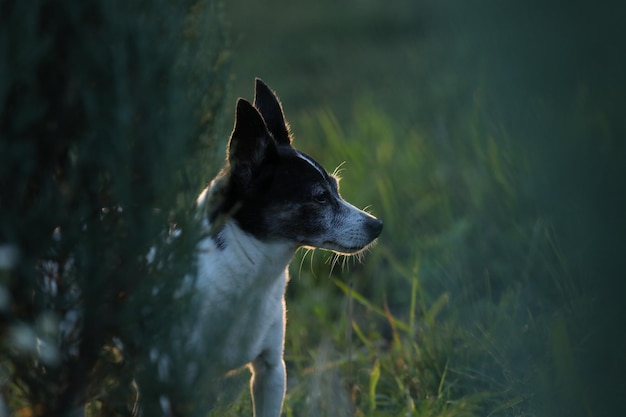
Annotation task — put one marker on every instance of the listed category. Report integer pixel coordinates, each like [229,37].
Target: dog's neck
[246,248]
[241,256]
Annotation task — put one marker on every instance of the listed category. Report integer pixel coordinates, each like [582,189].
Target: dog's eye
[322,197]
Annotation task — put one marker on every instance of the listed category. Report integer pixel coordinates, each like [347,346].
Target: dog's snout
[374,226]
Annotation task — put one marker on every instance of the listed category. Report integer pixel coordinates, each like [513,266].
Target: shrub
[107,120]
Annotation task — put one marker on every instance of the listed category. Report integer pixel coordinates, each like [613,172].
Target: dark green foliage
[107,120]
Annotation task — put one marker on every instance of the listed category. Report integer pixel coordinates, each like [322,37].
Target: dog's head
[277,193]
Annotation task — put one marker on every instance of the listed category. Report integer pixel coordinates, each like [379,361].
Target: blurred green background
[489,138]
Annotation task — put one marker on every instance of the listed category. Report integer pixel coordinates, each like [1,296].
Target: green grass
[434,322]
[447,315]
[469,305]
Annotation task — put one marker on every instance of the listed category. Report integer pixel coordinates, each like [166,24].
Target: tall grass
[448,315]
[465,307]
[471,303]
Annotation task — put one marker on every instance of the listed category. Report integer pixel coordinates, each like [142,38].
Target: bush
[107,120]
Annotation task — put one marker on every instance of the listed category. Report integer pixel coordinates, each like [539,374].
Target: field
[490,143]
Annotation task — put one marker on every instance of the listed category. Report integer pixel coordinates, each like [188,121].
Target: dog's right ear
[272,111]
[250,145]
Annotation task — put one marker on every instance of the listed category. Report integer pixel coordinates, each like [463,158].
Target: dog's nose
[374,226]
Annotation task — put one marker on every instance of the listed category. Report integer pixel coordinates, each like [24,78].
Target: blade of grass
[374,378]
[442,380]
[361,336]
[394,330]
[414,288]
[364,302]
[506,405]
[431,313]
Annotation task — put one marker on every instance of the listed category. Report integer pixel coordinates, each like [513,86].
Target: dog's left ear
[270,108]
[251,148]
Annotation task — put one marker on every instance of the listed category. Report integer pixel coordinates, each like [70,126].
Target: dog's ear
[250,146]
[269,105]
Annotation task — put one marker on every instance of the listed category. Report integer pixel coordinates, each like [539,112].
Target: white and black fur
[268,201]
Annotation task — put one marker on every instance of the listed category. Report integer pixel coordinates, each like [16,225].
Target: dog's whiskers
[337,172]
[311,251]
[311,263]
[333,261]
[306,252]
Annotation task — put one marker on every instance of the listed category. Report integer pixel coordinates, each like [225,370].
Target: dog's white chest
[241,288]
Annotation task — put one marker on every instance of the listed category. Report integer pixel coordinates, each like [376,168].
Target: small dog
[268,201]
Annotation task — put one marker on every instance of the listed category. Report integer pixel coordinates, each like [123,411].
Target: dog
[269,200]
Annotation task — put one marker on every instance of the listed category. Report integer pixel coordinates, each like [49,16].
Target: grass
[446,315]
[434,322]
[469,305]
